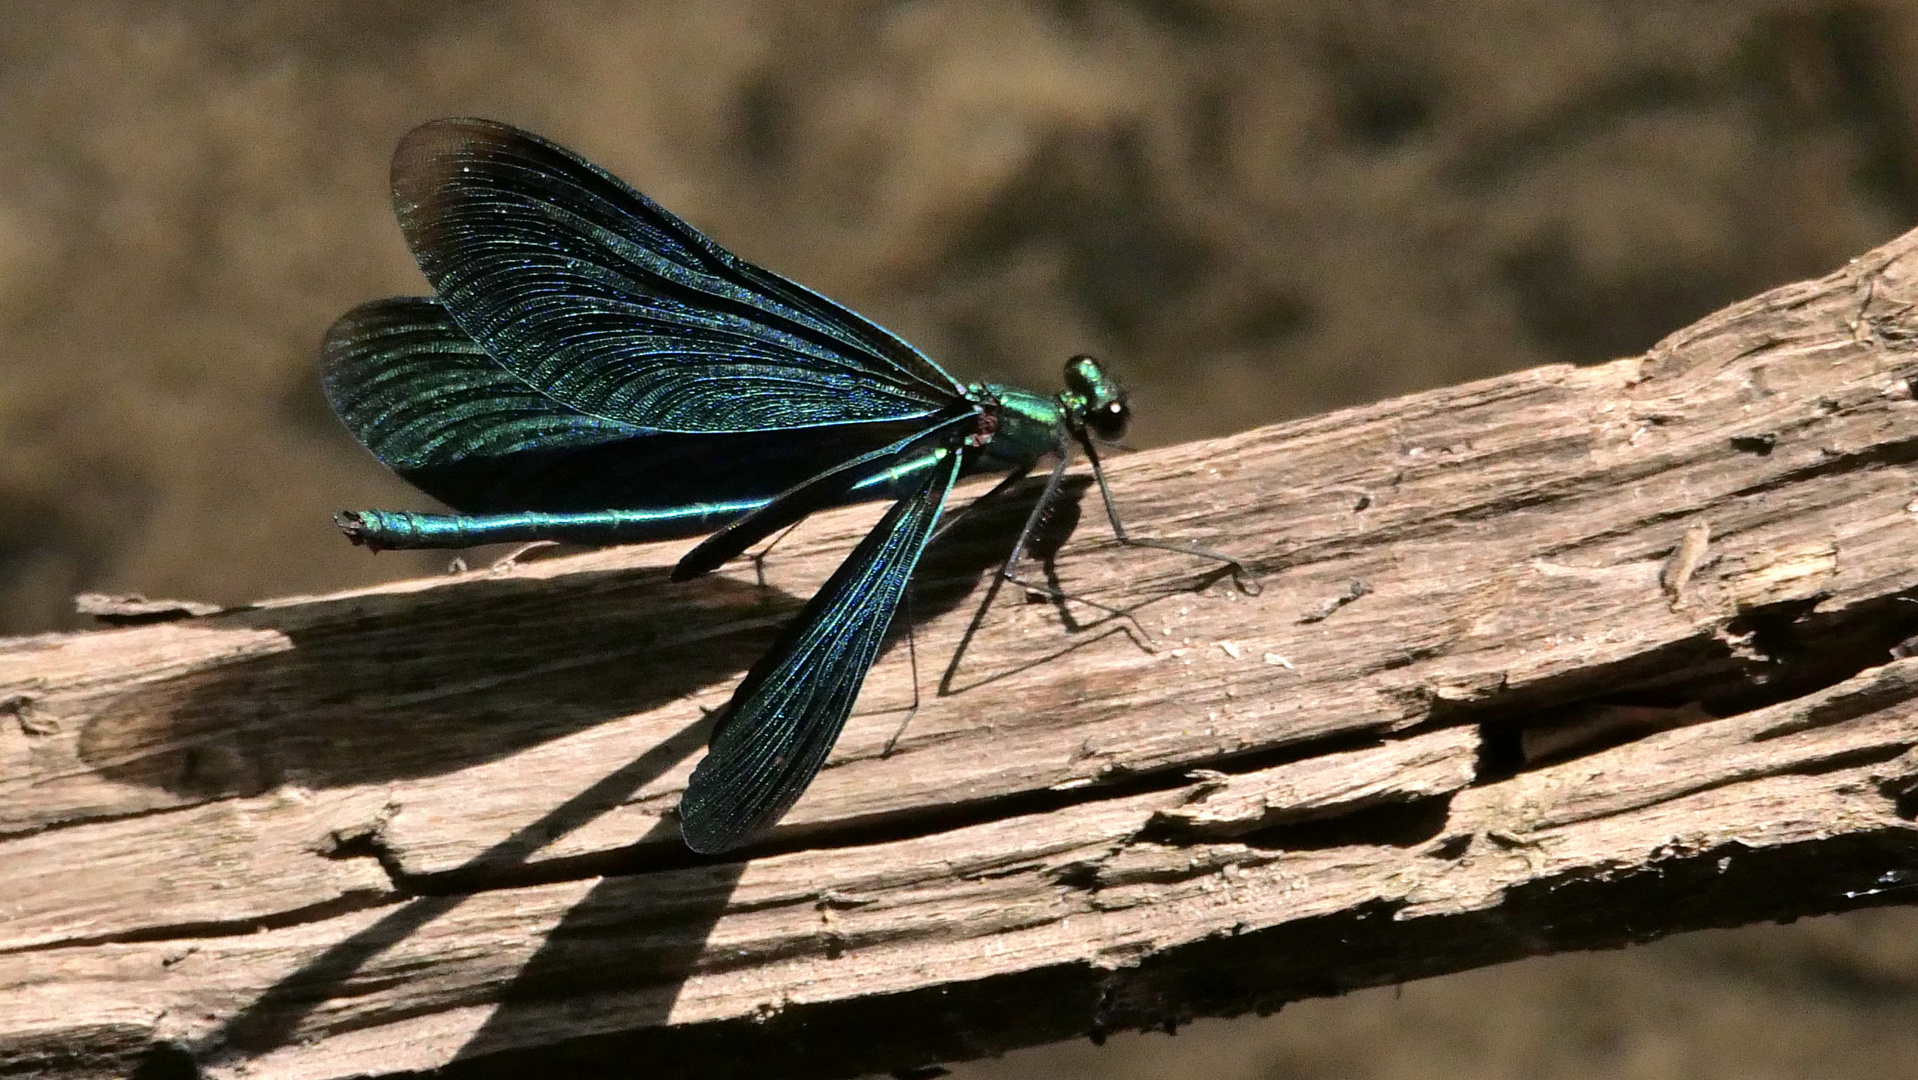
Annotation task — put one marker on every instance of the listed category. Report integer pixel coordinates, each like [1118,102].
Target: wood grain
[1562,659]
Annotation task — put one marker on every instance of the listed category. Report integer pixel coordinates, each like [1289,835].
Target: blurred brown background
[1253,210]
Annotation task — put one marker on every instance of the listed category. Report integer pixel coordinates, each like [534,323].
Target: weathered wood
[1562,659]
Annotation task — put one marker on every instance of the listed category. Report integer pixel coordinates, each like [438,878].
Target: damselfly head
[1094,400]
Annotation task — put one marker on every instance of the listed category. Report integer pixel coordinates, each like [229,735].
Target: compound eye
[1083,374]
[1109,420]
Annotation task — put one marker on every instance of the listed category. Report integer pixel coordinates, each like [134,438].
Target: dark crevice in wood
[79,822]
[1839,762]
[101,1050]
[1805,651]
[369,844]
[1407,824]
[343,905]
[1797,653]
[1877,456]
[167,1061]
[1902,790]
[1258,971]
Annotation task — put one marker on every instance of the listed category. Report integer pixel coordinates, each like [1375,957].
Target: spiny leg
[912,647]
[912,651]
[1047,499]
[1241,574]
[1040,509]
[1047,496]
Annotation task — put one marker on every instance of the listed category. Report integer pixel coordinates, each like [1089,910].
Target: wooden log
[1563,659]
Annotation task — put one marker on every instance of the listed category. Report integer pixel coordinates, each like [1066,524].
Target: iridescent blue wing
[437,409]
[418,392]
[773,736]
[592,293]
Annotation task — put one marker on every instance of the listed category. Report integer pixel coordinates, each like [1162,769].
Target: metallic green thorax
[1025,426]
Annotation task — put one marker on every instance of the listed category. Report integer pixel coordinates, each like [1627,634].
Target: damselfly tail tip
[353,524]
